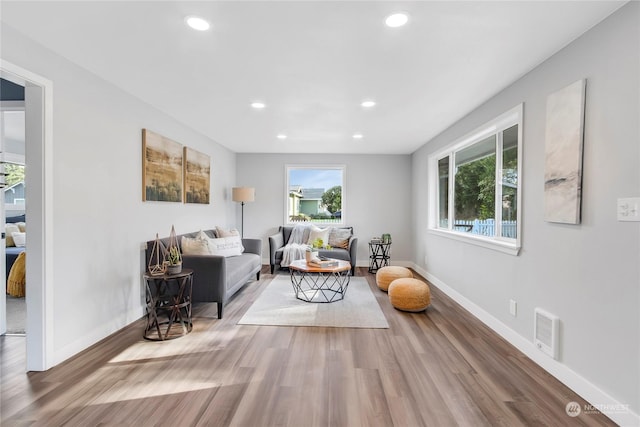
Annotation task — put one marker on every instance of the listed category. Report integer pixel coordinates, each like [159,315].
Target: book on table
[322,262]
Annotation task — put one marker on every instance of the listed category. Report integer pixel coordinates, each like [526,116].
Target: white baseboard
[616,411]
[87,340]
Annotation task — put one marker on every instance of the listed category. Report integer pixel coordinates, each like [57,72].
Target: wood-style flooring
[438,368]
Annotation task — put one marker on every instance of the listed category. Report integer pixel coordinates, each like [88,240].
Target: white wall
[377,197]
[586,274]
[99,219]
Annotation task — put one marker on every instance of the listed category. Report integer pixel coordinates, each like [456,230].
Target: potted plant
[172,257]
[174,260]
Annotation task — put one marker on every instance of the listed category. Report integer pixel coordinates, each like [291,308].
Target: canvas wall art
[161,168]
[563,154]
[197,176]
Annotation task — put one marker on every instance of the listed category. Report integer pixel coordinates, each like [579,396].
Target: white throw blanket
[296,246]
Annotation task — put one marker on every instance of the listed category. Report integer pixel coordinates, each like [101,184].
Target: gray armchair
[278,241]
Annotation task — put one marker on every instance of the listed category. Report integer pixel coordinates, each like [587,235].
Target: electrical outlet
[513,308]
[628,209]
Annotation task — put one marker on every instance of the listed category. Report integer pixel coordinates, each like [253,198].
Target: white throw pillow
[195,246]
[221,232]
[9,229]
[318,233]
[19,239]
[226,246]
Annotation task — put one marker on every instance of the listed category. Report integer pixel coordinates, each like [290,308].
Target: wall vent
[546,327]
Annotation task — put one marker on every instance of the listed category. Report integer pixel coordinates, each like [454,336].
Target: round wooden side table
[168,305]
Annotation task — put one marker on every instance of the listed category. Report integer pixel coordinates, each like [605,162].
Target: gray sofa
[217,278]
[278,241]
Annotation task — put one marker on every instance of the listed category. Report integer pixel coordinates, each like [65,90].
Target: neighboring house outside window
[315,194]
[475,185]
[295,194]
[311,202]
[14,194]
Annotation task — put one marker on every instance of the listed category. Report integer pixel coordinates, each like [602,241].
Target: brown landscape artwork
[161,168]
[197,172]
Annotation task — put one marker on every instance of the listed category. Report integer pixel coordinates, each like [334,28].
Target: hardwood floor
[439,368]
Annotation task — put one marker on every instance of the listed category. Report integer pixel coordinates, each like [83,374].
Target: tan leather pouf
[409,294]
[388,274]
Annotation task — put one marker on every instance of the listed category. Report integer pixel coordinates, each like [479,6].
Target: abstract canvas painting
[197,176]
[563,154]
[161,168]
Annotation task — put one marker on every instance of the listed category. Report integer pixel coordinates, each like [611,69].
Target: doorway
[12,207]
[38,106]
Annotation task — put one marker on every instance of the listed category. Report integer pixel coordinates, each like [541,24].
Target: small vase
[309,255]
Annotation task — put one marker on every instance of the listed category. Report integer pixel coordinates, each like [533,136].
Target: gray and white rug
[278,306]
[16,315]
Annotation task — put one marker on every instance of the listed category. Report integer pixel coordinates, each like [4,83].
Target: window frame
[340,167]
[511,246]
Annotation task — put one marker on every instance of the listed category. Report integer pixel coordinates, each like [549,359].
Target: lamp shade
[243,194]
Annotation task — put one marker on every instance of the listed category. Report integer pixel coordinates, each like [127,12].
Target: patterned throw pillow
[221,232]
[339,237]
[226,246]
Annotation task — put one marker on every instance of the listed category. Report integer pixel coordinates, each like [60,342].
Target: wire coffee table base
[316,284]
[319,287]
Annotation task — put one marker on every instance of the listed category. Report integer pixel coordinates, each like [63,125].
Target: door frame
[39,210]
[6,158]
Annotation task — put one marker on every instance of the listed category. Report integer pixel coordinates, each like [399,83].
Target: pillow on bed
[20,239]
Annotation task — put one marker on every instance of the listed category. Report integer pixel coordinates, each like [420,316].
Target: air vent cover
[545,332]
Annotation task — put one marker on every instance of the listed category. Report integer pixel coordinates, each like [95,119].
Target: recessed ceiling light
[357,136]
[197,23]
[368,104]
[282,136]
[258,105]
[396,20]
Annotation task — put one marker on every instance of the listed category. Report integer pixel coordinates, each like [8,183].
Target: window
[475,189]
[314,194]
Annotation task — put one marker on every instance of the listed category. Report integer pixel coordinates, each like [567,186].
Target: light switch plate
[629,209]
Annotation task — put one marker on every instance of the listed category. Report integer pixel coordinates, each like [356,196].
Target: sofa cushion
[20,239]
[336,253]
[195,246]
[221,232]
[9,229]
[226,246]
[339,237]
[239,267]
[318,233]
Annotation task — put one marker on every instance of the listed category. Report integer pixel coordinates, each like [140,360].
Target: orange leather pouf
[409,294]
[388,274]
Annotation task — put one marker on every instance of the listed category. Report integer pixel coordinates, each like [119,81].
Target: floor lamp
[242,195]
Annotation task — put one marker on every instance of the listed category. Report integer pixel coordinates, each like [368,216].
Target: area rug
[16,315]
[278,306]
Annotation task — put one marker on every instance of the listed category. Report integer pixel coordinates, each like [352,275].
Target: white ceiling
[311,62]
